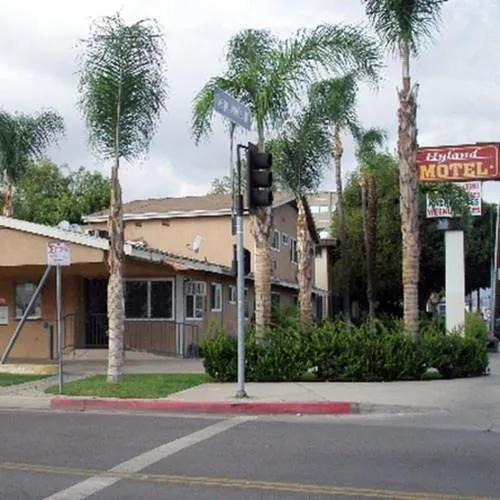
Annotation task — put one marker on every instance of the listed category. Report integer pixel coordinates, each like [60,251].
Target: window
[232,294]
[216,296]
[195,295]
[275,300]
[275,244]
[295,300]
[293,250]
[284,239]
[274,265]
[149,299]
[24,292]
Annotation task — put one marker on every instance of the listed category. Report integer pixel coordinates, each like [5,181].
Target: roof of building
[213,204]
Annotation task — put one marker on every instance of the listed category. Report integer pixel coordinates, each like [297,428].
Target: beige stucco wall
[19,248]
[177,235]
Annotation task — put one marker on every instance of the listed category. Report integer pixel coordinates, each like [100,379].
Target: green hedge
[331,352]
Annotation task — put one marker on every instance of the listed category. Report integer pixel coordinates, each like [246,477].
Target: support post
[455,279]
[59,329]
[494,276]
[240,284]
[20,325]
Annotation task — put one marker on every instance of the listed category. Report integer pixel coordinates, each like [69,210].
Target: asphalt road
[74,456]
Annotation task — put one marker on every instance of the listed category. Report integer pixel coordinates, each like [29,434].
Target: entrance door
[96,313]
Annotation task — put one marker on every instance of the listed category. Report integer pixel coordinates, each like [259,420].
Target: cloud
[458,101]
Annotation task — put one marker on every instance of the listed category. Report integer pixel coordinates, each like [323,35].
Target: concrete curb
[221,407]
[29,369]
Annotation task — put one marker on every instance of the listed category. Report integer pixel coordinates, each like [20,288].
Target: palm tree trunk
[366,241]
[371,238]
[304,274]
[407,151]
[338,150]
[261,228]
[8,205]
[116,306]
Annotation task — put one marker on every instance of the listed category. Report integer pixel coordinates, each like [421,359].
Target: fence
[153,336]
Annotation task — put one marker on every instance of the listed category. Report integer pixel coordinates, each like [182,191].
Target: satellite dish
[196,243]
[64,225]
[491,192]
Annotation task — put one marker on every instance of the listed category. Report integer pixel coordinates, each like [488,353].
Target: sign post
[238,114]
[58,255]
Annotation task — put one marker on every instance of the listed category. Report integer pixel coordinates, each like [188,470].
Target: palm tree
[122,92]
[403,25]
[299,155]
[24,138]
[337,98]
[268,75]
[368,140]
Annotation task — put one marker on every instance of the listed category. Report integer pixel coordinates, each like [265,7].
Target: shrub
[456,354]
[360,353]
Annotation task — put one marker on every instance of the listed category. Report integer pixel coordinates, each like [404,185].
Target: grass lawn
[133,386]
[13,379]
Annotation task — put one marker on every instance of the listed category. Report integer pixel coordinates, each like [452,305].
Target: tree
[122,92]
[48,194]
[268,74]
[221,186]
[477,234]
[367,143]
[403,25]
[24,138]
[337,99]
[300,154]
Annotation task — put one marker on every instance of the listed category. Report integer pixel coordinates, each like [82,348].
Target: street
[70,456]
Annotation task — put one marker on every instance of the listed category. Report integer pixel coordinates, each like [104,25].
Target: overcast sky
[458,75]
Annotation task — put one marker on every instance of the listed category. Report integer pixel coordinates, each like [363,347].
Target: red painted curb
[306,408]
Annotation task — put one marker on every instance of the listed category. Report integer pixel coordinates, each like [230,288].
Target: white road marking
[92,485]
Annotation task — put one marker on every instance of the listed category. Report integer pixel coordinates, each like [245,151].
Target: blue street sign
[229,107]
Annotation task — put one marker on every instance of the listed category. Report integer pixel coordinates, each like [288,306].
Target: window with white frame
[284,239]
[276,240]
[216,296]
[24,292]
[195,299]
[232,294]
[293,250]
[149,299]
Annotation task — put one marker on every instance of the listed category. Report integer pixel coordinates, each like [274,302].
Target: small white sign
[4,315]
[58,254]
[443,209]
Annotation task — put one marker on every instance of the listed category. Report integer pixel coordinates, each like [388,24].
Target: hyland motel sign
[459,163]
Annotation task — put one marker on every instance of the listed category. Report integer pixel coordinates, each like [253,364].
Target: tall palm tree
[403,25]
[367,143]
[300,153]
[122,92]
[337,98]
[268,75]
[24,138]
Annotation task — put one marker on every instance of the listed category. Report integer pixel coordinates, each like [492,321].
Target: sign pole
[455,279]
[238,114]
[240,285]
[59,329]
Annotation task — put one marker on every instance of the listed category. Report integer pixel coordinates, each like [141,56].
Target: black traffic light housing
[259,178]
[246,261]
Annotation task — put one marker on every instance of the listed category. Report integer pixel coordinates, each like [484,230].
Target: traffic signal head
[259,178]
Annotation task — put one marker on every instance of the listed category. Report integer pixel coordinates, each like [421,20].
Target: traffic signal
[246,261]
[259,178]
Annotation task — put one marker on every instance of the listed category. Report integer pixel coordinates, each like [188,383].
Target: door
[96,313]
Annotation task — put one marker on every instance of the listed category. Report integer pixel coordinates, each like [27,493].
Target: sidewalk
[291,398]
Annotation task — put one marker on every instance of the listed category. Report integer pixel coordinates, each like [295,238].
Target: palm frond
[367,143]
[336,99]
[122,85]
[404,21]
[25,138]
[301,152]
